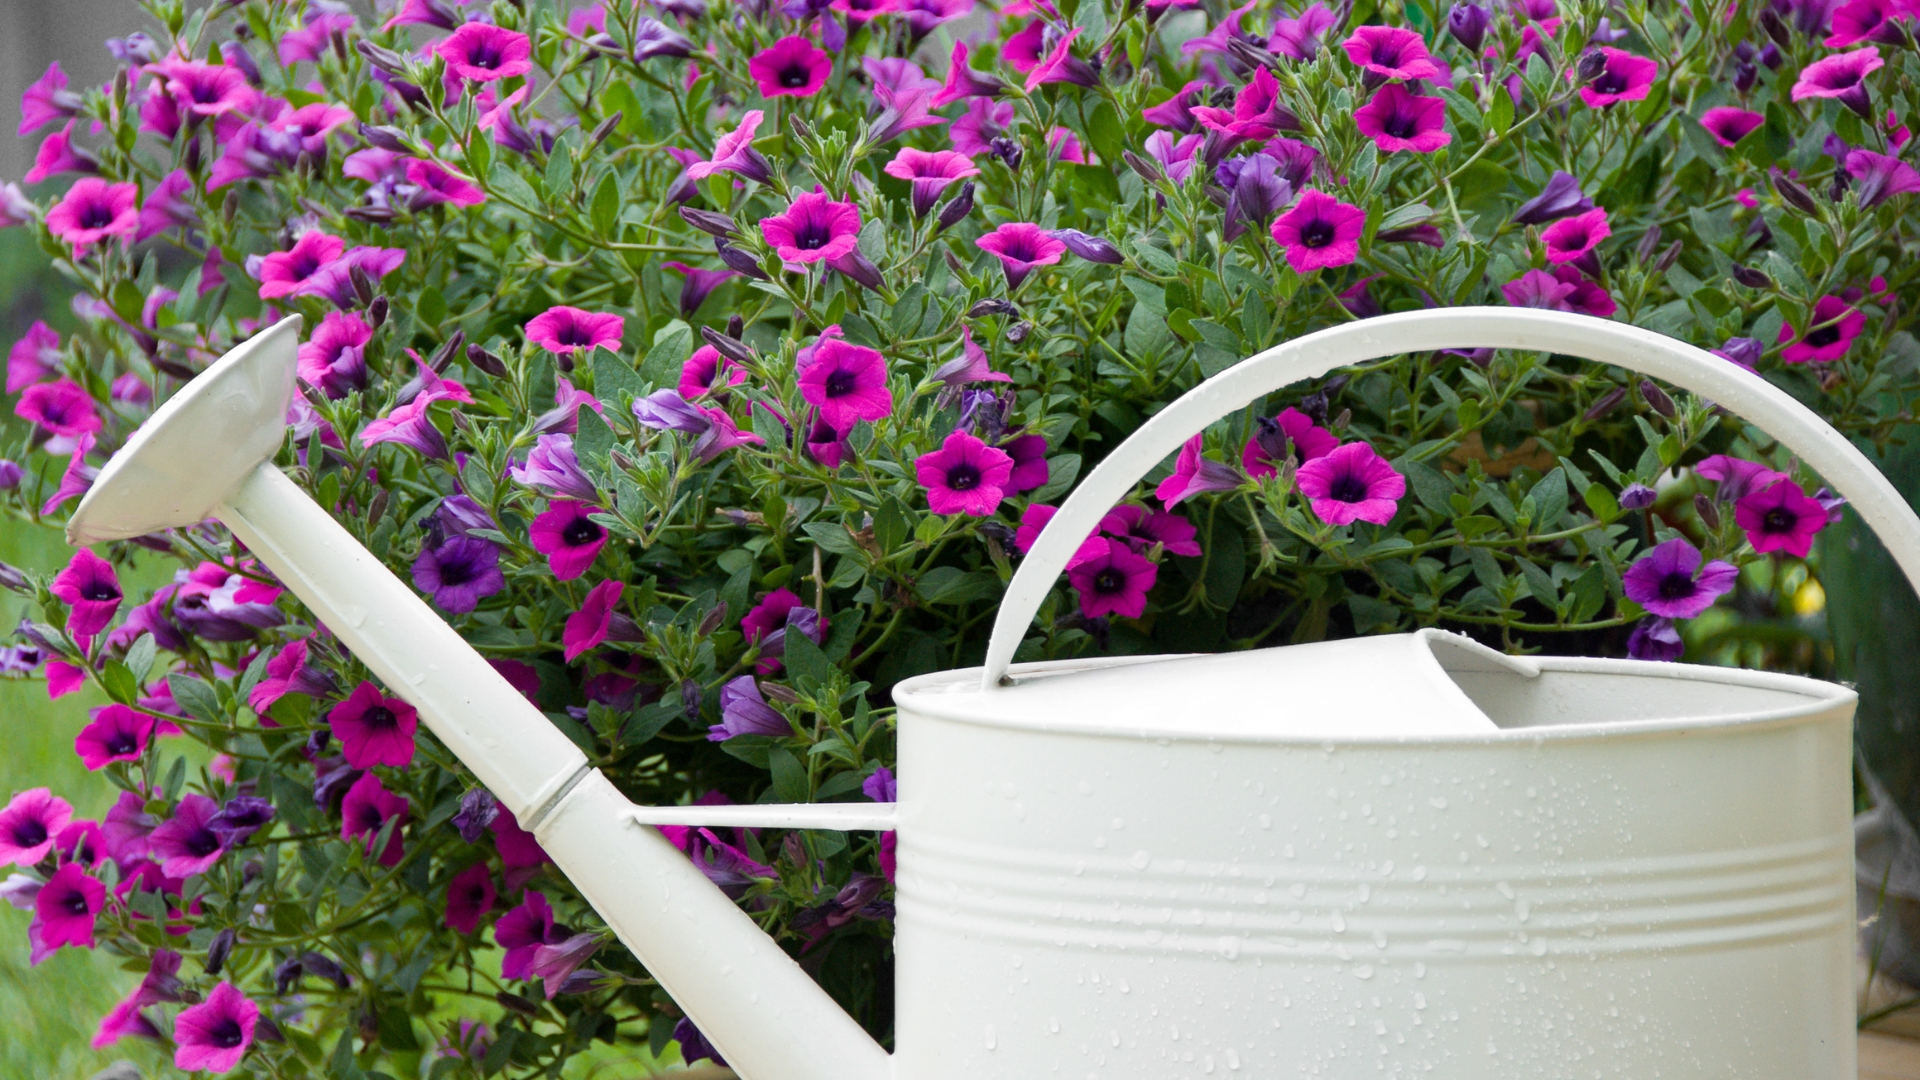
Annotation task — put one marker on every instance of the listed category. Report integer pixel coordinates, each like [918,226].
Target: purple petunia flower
[568,331]
[523,930]
[32,358]
[1781,517]
[481,52]
[1111,579]
[1194,474]
[880,786]
[1565,289]
[93,210]
[1397,119]
[587,628]
[1623,77]
[1177,111]
[1735,477]
[29,825]
[1670,582]
[744,711]
[1468,22]
[964,82]
[1290,436]
[47,101]
[1352,483]
[1877,177]
[1021,246]
[57,155]
[91,590]
[374,729]
[1831,330]
[240,818]
[1143,528]
[1571,238]
[115,733]
[1843,76]
[1257,193]
[1729,125]
[929,172]
[435,185]
[701,374]
[470,895]
[334,358]
[981,122]
[964,476]
[790,67]
[64,912]
[699,284]
[1029,455]
[186,844]
[367,809]
[553,467]
[1655,638]
[1257,113]
[1391,52]
[971,366]
[1319,232]
[459,572]
[847,383]
[568,537]
[215,1034]
[734,153]
[1302,36]
[478,808]
[815,228]
[1561,197]
[1061,66]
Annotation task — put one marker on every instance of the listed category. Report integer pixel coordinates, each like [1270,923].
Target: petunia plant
[711,365]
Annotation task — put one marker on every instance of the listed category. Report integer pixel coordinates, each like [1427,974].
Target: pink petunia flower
[482,52]
[166,207]
[1397,119]
[93,210]
[588,627]
[470,896]
[65,911]
[374,729]
[521,932]
[63,679]
[1670,582]
[204,89]
[568,537]
[982,121]
[289,673]
[1834,325]
[1624,77]
[564,330]
[91,590]
[1391,52]
[1021,246]
[1352,483]
[186,844]
[733,153]
[1565,289]
[1729,125]
[1572,237]
[215,1034]
[29,825]
[971,366]
[57,155]
[930,172]
[1111,579]
[1781,517]
[33,357]
[285,272]
[964,82]
[1319,232]
[1843,77]
[847,383]
[1030,469]
[1060,65]
[1290,436]
[333,360]
[517,847]
[115,733]
[438,184]
[1143,528]
[964,476]
[1194,474]
[814,229]
[702,373]
[367,808]
[1868,20]
[47,101]
[62,408]
[1257,113]
[790,67]
[1878,177]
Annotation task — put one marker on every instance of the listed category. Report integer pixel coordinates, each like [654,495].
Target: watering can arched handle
[1741,392]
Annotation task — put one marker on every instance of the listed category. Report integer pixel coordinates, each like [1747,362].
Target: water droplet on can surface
[1140,859]
[992,1041]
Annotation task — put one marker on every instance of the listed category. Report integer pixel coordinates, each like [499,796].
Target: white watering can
[1397,856]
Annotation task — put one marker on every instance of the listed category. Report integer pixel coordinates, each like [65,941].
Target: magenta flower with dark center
[1319,232]
[722,434]
[1729,125]
[1021,246]
[438,184]
[1877,177]
[1863,20]
[1843,77]
[1736,477]
[930,172]
[30,824]
[564,330]
[1655,638]
[1781,518]
[1833,326]
[814,229]
[1194,474]
[587,628]
[1290,436]
[523,930]
[744,711]
[367,809]
[1302,36]
[57,155]
[1143,528]
[1352,483]
[698,285]
[1177,111]
[1111,579]
[790,67]
[1572,237]
[770,615]
[827,445]
[334,360]
[470,896]
[33,357]
[1623,77]
[334,281]
[284,272]
[734,153]
[482,52]
[215,1034]
[568,537]
[207,89]
[847,383]
[1670,582]
[553,467]
[93,210]
[374,729]
[166,207]
[91,590]
[702,372]
[116,733]
[185,844]
[1391,52]
[1397,119]
[65,911]
[964,476]
[1565,289]
[459,572]
[1029,454]
[47,101]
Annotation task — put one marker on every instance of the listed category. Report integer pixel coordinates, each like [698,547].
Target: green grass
[50,1011]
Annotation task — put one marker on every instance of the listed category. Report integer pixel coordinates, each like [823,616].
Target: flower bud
[371,215]
[1008,151]
[1745,75]
[486,362]
[1637,497]
[993,305]
[1668,257]
[1657,399]
[779,693]
[515,1003]
[317,741]
[956,209]
[1709,513]
[739,260]
[386,138]
[377,311]
[1149,171]
[604,129]
[732,348]
[859,269]
[1794,195]
[385,59]
[1608,402]
[1091,248]
[1592,64]
[736,327]
[1468,25]
[218,950]
[1751,278]
[690,697]
[12,577]
[1776,28]
[1649,243]
[321,967]
[713,619]
[1018,332]
[709,222]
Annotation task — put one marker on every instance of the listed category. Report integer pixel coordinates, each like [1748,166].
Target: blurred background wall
[33,34]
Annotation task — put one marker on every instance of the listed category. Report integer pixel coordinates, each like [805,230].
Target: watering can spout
[208,453]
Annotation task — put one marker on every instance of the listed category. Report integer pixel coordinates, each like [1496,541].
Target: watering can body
[1402,856]
[1635,870]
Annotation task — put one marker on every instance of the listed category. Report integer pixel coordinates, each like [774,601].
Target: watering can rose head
[678,384]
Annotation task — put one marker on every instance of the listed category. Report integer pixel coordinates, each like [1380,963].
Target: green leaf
[1062,471]
[1429,486]
[512,186]
[430,307]
[1104,132]
[197,698]
[613,377]
[892,525]
[140,658]
[559,178]
[650,720]
[1601,501]
[755,750]
[672,345]
[952,585]
[120,684]
[1499,117]
[1539,583]
[1256,321]
[1476,525]
[593,442]
[478,479]
[789,776]
[606,205]
[804,659]
[832,536]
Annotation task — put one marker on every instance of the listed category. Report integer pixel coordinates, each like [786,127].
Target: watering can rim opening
[933,695]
